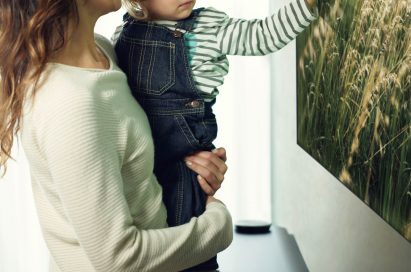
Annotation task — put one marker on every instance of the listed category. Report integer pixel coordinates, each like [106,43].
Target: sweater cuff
[215,205]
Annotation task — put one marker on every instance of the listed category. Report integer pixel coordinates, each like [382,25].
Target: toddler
[175,60]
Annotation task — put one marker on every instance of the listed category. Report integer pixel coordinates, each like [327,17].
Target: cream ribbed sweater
[90,151]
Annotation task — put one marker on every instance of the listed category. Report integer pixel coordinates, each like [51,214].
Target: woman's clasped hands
[210,167]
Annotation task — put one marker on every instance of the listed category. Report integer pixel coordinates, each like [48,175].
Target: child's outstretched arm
[261,37]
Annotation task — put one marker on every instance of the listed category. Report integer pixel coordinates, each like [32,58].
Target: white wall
[22,248]
[243,115]
[334,229]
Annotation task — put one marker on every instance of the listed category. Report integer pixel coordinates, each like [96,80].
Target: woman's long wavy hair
[31,31]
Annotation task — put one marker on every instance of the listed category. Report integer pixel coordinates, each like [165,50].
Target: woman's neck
[80,49]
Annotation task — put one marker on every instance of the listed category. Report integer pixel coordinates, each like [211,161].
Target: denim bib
[155,60]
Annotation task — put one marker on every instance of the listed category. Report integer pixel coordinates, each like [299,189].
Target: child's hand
[210,167]
[312,4]
[324,4]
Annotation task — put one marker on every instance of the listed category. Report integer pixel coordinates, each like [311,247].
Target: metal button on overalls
[194,104]
[177,33]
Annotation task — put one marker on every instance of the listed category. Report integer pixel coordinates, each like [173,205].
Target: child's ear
[143,9]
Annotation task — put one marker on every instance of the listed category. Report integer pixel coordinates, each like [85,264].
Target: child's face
[168,9]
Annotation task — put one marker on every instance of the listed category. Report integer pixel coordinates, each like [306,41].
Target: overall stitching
[150,46]
[186,131]
[180,194]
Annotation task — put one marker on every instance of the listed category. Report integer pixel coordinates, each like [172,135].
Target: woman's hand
[210,167]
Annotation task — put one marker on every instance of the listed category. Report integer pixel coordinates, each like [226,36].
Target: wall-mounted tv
[354,101]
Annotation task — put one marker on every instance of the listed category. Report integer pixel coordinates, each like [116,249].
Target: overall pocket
[150,65]
[200,134]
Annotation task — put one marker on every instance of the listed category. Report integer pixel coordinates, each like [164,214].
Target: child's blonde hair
[134,8]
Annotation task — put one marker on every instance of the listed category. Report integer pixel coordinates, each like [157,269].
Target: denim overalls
[159,74]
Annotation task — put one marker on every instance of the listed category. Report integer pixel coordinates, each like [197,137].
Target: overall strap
[127,17]
[188,23]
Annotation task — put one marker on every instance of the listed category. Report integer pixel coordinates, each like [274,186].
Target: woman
[90,149]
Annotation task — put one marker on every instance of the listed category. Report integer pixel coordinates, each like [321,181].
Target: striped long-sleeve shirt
[215,35]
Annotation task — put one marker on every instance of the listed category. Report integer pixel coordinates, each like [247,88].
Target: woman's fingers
[205,186]
[207,170]
[217,157]
[210,166]
[221,153]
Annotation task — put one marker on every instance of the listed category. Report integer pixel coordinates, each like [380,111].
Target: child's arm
[261,37]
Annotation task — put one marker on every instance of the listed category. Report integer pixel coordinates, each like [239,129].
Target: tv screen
[354,101]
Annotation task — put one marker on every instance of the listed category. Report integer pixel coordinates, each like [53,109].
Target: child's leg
[182,196]
[176,136]
[184,199]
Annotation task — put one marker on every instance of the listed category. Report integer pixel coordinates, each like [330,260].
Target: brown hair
[31,31]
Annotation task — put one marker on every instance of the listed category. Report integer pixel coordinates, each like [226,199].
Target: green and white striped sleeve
[260,37]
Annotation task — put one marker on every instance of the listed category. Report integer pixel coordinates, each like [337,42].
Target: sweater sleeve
[78,138]
[116,34]
[261,37]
